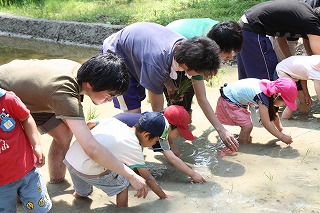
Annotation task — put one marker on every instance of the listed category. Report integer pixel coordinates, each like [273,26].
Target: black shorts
[46,121]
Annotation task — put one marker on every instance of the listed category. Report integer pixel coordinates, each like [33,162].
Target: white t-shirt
[118,138]
[300,67]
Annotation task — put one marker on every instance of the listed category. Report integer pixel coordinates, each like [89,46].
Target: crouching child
[125,143]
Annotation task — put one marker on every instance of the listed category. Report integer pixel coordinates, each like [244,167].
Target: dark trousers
[187,98]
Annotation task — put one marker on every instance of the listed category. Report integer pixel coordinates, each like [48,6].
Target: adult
[154,54]
[291,42]
[227,34]
[281,19]
[53,90]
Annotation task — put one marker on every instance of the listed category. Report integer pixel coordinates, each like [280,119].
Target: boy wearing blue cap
[125,143]
[178,119]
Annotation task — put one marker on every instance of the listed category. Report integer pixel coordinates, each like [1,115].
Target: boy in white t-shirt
[125,143]
[301,68]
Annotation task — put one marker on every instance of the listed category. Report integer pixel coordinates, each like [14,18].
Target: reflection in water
[22,48]
[206,155]
[202,151]
[202,154]
[205,152]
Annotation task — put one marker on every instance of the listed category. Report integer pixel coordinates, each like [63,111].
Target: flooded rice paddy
[265,176]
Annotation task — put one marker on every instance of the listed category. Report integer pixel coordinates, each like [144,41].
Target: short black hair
[200,54]
[228,35]
[105,72]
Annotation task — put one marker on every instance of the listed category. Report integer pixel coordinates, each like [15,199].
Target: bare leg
[317,87]
[156,101]
[62,137]
[303,107]
[122,198]
[287,113]
[244,136]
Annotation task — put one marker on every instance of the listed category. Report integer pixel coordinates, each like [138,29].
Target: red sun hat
[179,117]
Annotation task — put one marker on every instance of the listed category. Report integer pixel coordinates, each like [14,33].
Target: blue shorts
[132,98]
[111,183]
[31,190]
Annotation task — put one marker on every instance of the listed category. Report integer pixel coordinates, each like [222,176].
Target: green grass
[92,113]
[303,160]
[217,79]
[127,11]
[269,176]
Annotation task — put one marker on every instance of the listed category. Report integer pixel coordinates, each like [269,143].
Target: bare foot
[56,181]
[304,108]
[76,195]
[243,142]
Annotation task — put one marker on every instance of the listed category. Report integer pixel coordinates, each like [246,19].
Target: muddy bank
[67,32]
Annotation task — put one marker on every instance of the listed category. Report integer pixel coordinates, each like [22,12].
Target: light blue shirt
[244,91]
[2,92]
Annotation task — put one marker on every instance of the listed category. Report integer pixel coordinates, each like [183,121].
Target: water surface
[26,48]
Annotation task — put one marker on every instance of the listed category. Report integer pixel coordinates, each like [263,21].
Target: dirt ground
[265,176]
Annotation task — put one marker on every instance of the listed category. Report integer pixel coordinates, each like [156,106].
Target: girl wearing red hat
[233,105]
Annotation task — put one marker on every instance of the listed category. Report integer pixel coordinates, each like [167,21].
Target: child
[233,105]
[20,156]
[125,143]
[178,119]
[301,68]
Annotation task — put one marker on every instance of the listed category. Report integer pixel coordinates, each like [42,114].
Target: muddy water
[23,48]
[265,176]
